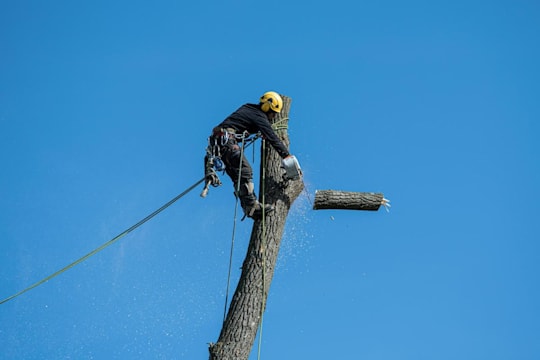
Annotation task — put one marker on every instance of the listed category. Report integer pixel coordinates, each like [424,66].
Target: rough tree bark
[249,301]
[346,200]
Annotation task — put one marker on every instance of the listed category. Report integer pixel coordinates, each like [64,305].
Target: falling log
[346,200]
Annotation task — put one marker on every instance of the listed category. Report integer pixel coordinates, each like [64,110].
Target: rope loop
[277,125]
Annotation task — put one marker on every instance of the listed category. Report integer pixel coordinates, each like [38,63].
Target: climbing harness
[108,243]
[213,162]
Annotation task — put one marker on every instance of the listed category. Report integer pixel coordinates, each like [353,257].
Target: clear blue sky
[104,112]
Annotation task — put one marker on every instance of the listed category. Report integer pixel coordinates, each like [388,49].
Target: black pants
[236,164]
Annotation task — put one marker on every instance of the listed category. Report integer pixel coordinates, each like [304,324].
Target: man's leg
[241,174]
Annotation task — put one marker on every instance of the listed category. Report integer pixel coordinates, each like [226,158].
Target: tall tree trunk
[249,301]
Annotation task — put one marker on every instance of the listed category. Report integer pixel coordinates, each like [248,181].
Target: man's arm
[268,133]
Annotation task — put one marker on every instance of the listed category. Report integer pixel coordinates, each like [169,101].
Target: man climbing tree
[280,188]
[223,147]
[246,309]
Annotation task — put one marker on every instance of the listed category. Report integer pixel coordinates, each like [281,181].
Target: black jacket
[251,118]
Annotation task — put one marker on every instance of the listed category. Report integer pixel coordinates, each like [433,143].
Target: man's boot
[251,206]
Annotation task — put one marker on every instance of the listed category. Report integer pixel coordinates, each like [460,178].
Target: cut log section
[346,200]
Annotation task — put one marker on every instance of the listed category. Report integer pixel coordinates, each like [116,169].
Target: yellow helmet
[271,101]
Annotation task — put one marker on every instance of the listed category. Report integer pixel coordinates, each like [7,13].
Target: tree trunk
[249,301]
[343,200]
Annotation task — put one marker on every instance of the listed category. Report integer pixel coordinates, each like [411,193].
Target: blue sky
[104,113]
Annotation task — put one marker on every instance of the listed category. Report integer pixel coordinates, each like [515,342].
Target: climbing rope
[263,244]
[234,225]
[263,247]
[246,142]
[108,243]
[277,127]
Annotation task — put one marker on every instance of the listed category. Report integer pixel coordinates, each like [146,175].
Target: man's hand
[292,168]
